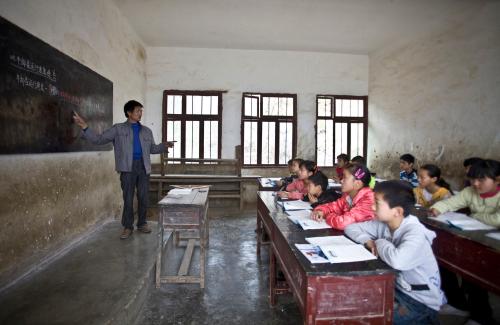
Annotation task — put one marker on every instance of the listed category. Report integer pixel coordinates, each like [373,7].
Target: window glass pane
[215,105]
[174,104]
[250,143]
[210,139]
[325,143]
[192,139]
[289,107]
[251,106]
[286,142]
[356,139]
[174,134]
[206,105]
[340,138]
[196,105]
[268,142]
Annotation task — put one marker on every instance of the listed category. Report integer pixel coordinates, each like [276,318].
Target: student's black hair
[290,162]
[487,168]
[130,105]
[319,179]
[309,165]
[343,157]
[397,194]
[408,158]
[359,160]
[360,172]
[298,160]
[471,161]
[434,171]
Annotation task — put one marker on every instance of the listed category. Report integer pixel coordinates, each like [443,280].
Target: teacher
[133,144]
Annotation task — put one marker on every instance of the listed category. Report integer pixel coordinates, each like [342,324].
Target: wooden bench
[222,175]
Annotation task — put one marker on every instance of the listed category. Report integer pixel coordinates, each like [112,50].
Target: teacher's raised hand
[79,121]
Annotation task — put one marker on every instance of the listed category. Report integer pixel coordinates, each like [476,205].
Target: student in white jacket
[400,240]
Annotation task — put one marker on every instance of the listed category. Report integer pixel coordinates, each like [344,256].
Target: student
[483,199]
[342,160]
[467,164]
[318,192]
[297,189]
[356,202]
[431,187]
[408,173]
[401,241]
[293,168]
[362,161]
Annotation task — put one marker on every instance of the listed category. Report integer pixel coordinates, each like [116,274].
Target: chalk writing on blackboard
[40,87]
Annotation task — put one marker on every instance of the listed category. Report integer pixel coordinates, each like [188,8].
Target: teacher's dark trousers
[137,178]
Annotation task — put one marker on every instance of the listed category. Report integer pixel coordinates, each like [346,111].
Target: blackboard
[40,87]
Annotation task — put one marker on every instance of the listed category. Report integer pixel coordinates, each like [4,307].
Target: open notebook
[295,205]
[303,219]
[462,221]
[334,249]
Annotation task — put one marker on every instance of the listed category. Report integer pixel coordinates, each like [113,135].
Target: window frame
[259,119]
[343,119]
[183,117]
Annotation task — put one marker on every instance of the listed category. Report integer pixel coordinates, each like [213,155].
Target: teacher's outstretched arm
[88,134]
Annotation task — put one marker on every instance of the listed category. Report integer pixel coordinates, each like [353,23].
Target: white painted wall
[438,96]
[303,73]
[48,199]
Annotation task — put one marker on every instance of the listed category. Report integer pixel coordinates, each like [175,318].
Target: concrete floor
[108,281]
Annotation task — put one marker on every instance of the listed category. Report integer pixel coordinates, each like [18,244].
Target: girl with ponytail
[431,186]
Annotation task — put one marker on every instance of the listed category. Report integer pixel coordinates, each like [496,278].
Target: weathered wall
[303,73]
[438,96]
[48,199]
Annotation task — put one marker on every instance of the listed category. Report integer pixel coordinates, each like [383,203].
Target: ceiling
[341,26]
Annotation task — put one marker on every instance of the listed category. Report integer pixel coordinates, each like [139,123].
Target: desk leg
[158,257]
[272,277]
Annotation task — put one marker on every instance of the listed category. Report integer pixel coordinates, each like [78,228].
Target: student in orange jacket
[356,202]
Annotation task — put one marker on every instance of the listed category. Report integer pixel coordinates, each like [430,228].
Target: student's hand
[79,121]
[283,194]
[370,245]
[279,183]
[317,215]
[312,198]
[168,144]
[433,213]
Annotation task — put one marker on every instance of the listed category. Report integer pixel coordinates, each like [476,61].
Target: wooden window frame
[343,119]
[259,119]
[183,117]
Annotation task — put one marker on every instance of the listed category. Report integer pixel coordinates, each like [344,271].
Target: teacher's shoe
[144,228]
[126,233]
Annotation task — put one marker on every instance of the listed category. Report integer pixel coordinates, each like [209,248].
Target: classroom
[250,162]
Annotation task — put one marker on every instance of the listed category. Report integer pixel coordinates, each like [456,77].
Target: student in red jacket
[298,188]
[356,202]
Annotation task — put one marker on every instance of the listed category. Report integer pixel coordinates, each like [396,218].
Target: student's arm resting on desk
[362,232]
[407,255]
[454,203]
[295,195]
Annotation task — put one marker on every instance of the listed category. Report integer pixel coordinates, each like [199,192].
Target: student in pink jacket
[298,188]
[356,202]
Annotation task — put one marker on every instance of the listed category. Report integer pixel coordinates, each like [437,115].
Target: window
[341,127]
[194,120]
[269,129]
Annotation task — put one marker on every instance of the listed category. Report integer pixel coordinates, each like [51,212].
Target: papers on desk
[303,219]
[494,235]
[346,253]
[312,253]
[295,205]
[462,222]
[330,240]
[269,182]
[335,249]
[179,191]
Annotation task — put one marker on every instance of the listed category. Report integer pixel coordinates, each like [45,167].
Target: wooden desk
[266,185]
[468,253]
[326,293]
[184,212]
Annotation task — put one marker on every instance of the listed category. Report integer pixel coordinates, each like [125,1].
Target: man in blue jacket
[133,144]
